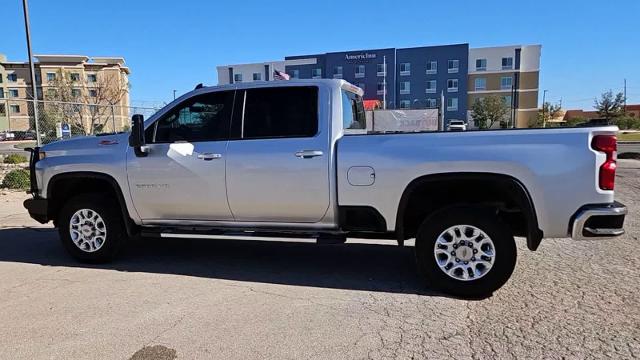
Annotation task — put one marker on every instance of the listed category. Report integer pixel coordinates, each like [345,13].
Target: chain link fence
[57,120]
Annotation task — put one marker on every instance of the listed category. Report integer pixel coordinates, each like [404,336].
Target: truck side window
[204,117]
[353,115]
[281,112]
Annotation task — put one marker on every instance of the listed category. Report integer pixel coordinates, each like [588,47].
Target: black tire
[484,219]
[109,211]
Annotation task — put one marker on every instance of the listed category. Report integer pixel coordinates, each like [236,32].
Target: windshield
[353,115]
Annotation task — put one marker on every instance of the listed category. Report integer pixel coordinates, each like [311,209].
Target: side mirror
[136,138]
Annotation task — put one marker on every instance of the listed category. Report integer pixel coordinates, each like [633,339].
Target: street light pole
[34,87]
[544,120]
[174,94]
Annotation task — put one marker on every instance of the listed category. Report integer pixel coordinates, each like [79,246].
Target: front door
[278,167]
[183,175]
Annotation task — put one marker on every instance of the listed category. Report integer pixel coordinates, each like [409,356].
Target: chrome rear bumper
[596,222]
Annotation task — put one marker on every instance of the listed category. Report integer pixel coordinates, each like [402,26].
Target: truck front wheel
[91,228]
[466,252]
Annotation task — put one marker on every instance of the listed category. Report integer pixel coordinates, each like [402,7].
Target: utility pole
[625,97]
[174,94]
[384,83]
[34,94]
[544,120]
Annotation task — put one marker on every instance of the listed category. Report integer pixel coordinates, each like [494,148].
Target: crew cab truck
[292,159]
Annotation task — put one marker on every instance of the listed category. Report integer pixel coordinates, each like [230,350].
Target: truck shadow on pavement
[369,267]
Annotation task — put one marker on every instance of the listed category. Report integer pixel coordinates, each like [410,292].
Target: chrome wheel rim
[88,230]
[464,252]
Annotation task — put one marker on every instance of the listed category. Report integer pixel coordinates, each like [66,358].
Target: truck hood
[84,145]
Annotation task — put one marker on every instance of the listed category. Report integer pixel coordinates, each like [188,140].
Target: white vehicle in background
[456,125]
[6,136]
[273,159]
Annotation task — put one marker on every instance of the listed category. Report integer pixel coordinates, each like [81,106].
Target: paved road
[199,299]
[629,147]
[7,147]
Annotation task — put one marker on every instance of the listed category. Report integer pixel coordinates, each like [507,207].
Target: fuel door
[361,176]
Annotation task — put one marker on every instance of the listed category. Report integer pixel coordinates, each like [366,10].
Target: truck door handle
[209,156]
[307,154]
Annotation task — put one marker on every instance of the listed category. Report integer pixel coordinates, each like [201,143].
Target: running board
[318,237]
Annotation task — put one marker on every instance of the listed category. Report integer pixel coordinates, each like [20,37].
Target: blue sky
[587,46]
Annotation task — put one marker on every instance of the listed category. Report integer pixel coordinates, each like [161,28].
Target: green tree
[610,106]
[627,122]
[489,111]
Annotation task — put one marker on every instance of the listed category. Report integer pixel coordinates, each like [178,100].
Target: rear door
[183,175]
[278,163]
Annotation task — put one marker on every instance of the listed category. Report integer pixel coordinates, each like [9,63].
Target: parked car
[6,136]
[25,135]
[456,125]
[273,160]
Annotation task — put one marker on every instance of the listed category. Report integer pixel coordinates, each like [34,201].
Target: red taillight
[608,145]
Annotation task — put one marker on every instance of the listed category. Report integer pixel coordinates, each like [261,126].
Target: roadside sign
[66,130]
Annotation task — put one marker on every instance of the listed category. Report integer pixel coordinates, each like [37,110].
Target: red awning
[372,104]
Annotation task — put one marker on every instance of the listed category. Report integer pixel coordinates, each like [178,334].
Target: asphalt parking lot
[200,299]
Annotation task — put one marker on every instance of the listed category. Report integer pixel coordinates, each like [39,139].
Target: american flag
[280,75]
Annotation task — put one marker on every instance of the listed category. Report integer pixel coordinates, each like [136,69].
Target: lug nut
[457,260]
[453,253]
[475,251]
[466,263]
[473,259]
[455,246]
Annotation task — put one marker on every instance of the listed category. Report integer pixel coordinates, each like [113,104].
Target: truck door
[183,175]
[278,164]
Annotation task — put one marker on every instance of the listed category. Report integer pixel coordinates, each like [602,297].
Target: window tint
[353,115]
[202,118]
[281,112]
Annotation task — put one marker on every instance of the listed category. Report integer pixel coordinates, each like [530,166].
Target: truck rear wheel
[466,252]
[91,228]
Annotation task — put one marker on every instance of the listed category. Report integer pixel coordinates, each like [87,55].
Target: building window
[453,66]
[452,85]
[432,67]
[75,92]
[0,78]
[381,88]
[405,104]
[257,76]
[92,78]
[359,71]
[51,76]
[13,93]
[75,77]
[1,93]
[481,64]
[506,82]
[452,104]
[93,92]
[431,103]
[337,72]
[405,87]
[316,73]
[237,77]
[12,77]
[295,74]
[361,86]
[507,100]
[93,109]
[507,63]
[381,70]
[52,93]
[480,84]
[405,69]
[2,108]
[14,109]
[431,87]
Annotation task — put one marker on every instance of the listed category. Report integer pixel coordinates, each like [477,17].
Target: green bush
[15,159]
[17,179]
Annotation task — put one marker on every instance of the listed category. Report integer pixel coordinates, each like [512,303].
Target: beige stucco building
[512,72]
[86,74]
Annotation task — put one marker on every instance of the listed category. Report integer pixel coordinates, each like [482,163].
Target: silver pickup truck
[292,159]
